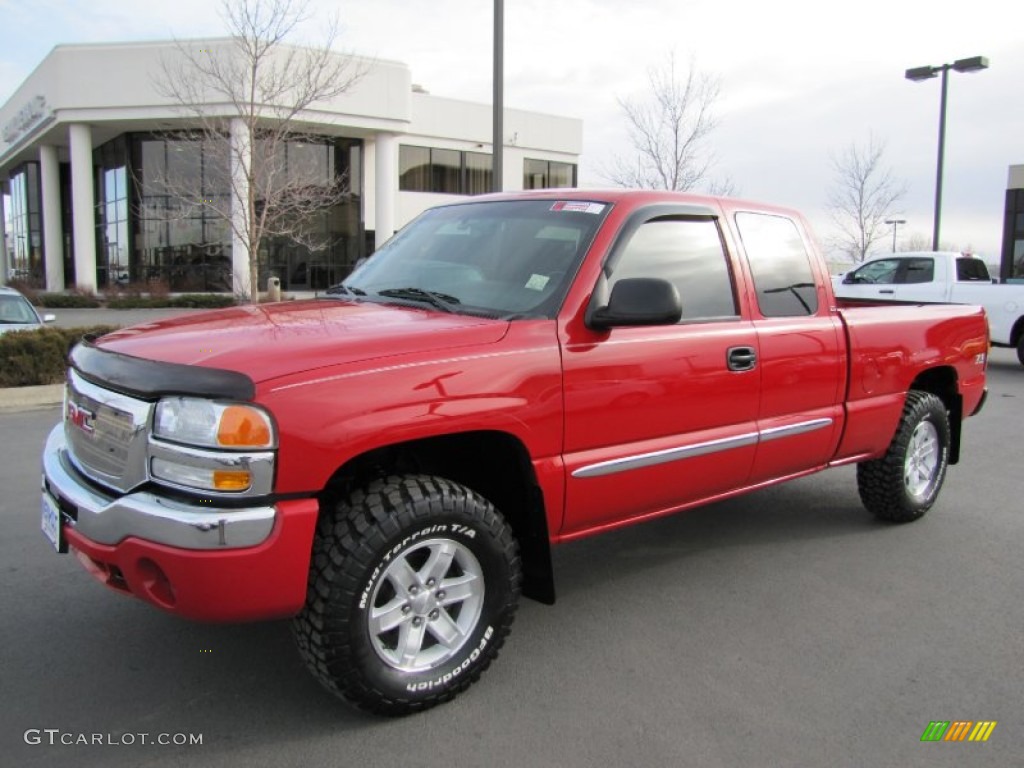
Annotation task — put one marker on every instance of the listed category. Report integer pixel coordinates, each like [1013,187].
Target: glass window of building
[113,249]
[414,169]
[26,230]
[548,174]
[446,165]
[479,177]
[447,171]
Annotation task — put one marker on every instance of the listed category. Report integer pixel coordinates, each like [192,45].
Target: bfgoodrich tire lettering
[902,485]
[413,587]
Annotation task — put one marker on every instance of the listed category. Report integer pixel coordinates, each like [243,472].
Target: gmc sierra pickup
[389,465]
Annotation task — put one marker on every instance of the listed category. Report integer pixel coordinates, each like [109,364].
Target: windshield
[16,310]
[498,259]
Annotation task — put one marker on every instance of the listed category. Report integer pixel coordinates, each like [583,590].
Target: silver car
[17,314]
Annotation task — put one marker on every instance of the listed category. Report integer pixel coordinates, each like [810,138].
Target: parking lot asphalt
[782,628]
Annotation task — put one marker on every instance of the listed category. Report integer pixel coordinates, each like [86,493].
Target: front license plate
[51,523]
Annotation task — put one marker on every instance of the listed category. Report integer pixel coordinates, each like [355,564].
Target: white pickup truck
[940,277]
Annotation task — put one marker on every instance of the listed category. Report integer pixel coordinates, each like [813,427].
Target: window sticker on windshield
[578,206]
[537,282]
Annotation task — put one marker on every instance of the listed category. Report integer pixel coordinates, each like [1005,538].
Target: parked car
[17,313]
[929,277]
[390,465]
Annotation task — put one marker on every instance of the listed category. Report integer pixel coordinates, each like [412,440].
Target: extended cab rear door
[802,351]
[660,416]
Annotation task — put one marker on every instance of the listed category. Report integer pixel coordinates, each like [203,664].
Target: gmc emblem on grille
[80,417]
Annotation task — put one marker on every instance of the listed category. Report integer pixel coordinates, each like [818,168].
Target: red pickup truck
[389,465]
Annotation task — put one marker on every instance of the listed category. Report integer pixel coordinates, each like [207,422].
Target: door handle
[741,358]
[887,290]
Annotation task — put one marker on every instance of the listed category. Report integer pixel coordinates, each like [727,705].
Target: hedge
[29,358]
[65,301]
[184,301]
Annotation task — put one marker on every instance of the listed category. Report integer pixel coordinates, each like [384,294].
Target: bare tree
[668,130]
[247,97]
[864,196]
[920,241]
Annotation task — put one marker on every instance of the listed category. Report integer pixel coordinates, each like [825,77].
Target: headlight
[194,421]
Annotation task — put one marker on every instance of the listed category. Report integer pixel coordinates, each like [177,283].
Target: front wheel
[902,485]
[413,587]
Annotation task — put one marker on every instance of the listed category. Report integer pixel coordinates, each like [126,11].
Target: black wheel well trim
[1017,331]
[942,382]
[509,482]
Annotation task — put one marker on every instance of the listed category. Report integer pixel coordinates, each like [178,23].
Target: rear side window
[689,254]
[972,270]
[780,265]
[917,271]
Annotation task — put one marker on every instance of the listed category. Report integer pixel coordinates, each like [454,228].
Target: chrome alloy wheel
[924,459]
[426,605]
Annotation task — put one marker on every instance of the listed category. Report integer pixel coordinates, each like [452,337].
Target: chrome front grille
[106,434]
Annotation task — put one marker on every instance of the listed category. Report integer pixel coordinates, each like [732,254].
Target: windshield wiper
[440,301]
[340,288]
[792,289]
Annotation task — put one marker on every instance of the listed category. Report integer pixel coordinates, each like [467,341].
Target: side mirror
[49,318]
[639,301]
[849,279]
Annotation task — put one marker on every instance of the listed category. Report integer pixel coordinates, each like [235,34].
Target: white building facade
[84,139]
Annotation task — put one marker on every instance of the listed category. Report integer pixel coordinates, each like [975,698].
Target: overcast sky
[800,80]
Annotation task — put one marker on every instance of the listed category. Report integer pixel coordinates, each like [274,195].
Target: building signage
[24,119]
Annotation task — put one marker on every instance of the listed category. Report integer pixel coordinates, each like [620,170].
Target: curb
[23,398]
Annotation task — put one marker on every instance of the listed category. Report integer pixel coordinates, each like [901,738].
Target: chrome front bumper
[110,519]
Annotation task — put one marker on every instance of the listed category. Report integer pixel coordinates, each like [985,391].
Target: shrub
[133,302]
[27,288]
[202,301]
[185,301]
[66,301]
[29,358]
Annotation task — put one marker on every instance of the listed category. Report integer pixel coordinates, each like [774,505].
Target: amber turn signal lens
[225,480]
[243,427]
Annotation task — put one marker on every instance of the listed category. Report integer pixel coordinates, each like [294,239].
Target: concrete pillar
[241,158]
[53,245]
[83,205]
[386,186]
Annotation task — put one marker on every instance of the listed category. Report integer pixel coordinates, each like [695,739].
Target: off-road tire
[902,485]
[396,530]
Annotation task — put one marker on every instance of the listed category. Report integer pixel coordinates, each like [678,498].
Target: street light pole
[498,106]
[940,161]
[895,223]
[973,64]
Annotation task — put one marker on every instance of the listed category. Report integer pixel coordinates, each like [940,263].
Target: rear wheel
[902,485]
[1020,349]
[413,587]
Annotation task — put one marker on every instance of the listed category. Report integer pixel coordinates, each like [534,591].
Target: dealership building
[1012,257]
[89,139]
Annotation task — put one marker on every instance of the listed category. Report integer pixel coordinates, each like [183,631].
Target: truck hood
[268,341]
